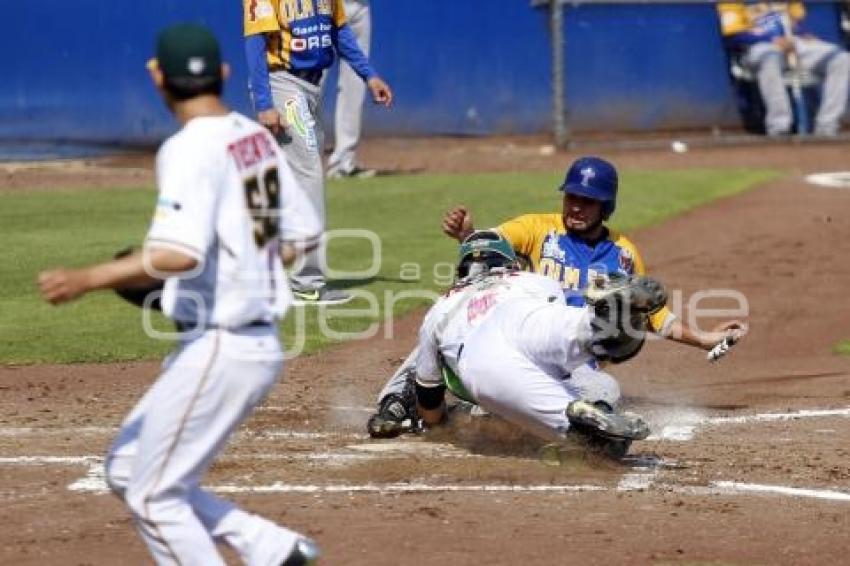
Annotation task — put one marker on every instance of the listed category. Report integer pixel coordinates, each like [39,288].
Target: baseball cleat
[595,421]
[322,296]
[638,292]
[392,419]
[355,172]
[305,553]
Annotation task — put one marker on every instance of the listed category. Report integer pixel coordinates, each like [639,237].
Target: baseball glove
[137,296]
[621,309]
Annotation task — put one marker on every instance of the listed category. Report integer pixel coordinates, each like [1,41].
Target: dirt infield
[749,461]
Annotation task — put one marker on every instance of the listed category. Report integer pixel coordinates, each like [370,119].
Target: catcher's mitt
[621,308]
[137,296]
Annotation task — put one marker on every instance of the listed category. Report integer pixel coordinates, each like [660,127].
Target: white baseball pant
[170,439]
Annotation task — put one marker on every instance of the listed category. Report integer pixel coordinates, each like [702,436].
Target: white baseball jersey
[227,198]
[453,317]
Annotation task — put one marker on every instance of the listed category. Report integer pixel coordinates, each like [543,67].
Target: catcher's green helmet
[487,248]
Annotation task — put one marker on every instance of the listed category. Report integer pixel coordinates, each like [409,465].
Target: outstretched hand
[59,286]
[734,330]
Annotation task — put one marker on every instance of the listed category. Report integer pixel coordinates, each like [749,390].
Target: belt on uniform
[183,326]
[312,76]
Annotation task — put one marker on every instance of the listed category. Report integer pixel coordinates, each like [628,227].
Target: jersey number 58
[262,194]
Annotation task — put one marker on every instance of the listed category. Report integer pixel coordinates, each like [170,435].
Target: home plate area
[779,454]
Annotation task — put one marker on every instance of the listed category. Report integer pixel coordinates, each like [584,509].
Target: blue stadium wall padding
[75,70]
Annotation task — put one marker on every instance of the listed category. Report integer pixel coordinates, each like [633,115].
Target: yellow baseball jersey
[570,261]
[300,33]
[755,17]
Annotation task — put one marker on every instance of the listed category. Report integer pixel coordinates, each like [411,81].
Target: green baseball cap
[187,51]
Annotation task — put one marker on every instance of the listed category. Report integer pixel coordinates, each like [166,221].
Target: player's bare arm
[457,223]
[684,334]
[61,285]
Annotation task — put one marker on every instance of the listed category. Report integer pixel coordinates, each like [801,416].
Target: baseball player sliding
[289,44]
[229,213]
[507,341]
[574,248]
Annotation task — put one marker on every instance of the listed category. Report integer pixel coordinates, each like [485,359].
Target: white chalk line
[337,408]
[681,431]
[95,483]
[405,488]
[677,431]
[685,431]
[48,460]
[66,431]
[432,451]
[835,179]
[642,477]
[770,417]
[260,434]
[731,486]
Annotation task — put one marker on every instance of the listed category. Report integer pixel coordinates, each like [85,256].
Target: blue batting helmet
[594,178]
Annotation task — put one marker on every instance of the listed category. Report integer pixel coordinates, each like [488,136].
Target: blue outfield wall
[75,70]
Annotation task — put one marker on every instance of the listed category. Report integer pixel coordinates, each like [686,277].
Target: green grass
[71,228]
[843,348]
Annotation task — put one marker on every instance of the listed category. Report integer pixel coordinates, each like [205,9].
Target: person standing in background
[767,34]
[351,92]
[288,45]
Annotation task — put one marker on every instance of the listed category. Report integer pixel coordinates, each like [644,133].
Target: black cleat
[392,419]
[305,553]
[595,421]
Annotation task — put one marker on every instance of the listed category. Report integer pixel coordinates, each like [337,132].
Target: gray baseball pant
[351,92]
[299,103]
[828,62]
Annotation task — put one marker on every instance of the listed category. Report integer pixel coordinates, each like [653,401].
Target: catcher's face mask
[484,250]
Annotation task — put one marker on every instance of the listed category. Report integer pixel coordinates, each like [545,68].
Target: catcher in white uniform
[507,341]
[229,214]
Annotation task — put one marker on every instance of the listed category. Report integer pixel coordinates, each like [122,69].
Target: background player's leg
[351,92]
[833,64]
[768,63]
[298,101]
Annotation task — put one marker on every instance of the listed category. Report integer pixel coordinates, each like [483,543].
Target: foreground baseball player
[507,341]
[228,212]
[766,34]
[574,248]
[289,44]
